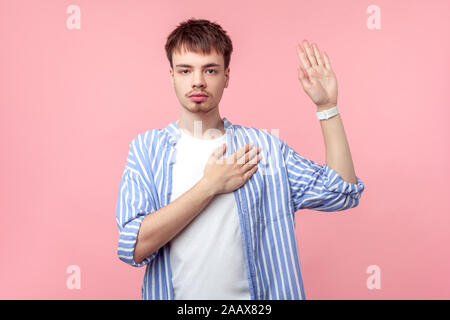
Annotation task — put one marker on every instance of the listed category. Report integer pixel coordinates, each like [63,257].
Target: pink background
[72,100]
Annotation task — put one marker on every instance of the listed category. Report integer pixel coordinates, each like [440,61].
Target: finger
[244,158]
[240,152]
[327,61]
[310,53]
[248,156]
[318,56]
[251,163]
[303,76]
[302,56]
[250,172]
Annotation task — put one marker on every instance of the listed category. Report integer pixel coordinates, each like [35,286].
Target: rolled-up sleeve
[318,187]
[133,205]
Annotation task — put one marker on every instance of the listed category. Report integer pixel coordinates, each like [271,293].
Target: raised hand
[316,75]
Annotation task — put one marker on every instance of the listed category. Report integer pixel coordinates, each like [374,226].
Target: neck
[202,125]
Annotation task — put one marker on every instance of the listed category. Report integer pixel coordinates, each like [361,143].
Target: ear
[171,74]
[227,75]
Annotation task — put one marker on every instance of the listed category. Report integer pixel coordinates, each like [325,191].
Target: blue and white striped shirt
[284,183]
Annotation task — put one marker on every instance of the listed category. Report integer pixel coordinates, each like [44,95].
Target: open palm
[316,75]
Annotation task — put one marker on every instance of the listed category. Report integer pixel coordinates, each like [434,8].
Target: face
[196,73]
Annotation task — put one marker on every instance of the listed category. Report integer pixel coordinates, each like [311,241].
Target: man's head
[199,53]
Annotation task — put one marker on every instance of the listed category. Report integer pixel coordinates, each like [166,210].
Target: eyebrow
[205,66]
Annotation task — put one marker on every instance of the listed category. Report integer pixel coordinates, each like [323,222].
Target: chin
[193,107]
[197,107]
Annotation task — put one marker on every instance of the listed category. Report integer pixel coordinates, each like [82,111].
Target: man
[208,206]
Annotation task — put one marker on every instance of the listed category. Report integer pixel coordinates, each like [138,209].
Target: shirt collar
[174,131]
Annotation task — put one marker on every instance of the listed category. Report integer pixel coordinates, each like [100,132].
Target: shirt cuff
[334,183]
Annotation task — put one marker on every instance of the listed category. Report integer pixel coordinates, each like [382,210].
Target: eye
[183,71]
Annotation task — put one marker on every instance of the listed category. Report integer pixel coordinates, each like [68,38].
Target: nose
[198,80]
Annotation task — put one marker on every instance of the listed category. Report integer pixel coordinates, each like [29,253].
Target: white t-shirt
[206,257]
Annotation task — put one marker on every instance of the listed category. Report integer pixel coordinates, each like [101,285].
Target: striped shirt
[284,183]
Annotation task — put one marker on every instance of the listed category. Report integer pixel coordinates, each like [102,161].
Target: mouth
[198,98]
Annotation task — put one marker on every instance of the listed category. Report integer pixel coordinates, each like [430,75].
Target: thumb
[218,152]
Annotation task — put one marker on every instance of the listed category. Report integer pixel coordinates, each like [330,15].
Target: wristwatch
[328,113]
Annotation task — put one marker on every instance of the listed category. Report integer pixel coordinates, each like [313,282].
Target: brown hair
[199,36]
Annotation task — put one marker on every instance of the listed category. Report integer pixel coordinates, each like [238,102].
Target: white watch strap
[326,114]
